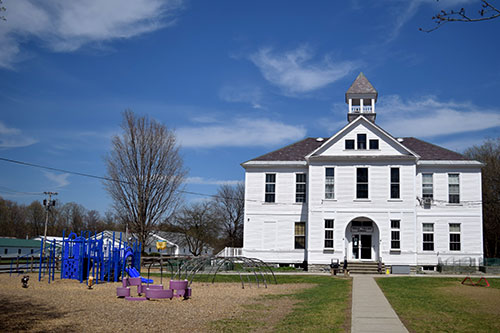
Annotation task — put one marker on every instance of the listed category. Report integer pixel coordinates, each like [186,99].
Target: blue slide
[135,274]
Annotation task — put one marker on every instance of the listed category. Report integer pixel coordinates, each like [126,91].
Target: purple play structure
[177,288]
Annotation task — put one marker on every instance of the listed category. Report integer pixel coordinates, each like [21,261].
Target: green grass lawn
[430,304]
[323,308]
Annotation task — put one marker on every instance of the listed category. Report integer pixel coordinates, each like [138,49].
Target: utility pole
[47,203]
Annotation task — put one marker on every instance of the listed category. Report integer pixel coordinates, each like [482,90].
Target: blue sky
[234,79]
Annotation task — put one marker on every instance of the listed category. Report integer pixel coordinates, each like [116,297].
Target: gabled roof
[360,119]
[294,152]
[299,150]
[361,86]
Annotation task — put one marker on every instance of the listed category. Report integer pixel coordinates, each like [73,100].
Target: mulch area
[67,305]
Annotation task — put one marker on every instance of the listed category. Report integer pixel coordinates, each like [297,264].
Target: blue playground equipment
[87,256]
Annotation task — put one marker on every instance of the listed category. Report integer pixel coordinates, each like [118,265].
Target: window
[427,190]
[361,141]
[5,251]
[270,187]
[395,236]
[18,251]
[374,144]
[300,235]
[454,236]
[300,187]
[394,183]
[349,144]
[428,229]
[32,251]
[329,183]
[328,234]
[453,188]
[362,183]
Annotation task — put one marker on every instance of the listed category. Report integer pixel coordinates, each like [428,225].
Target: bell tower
[361,97]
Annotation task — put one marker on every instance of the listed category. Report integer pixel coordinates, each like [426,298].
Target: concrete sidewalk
[371,312]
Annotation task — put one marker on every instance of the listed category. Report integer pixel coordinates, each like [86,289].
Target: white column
[373,105]
[350,105]
[360,105]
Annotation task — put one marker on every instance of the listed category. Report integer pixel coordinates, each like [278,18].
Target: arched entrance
[362,240]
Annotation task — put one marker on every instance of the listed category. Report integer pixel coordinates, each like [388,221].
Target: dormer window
[349,144]
[361,141]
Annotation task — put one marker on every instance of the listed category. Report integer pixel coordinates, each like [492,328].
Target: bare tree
[198,225]
[35,214]
[487,11]
[2,9]
[145,171]
[489,154]
[230,205]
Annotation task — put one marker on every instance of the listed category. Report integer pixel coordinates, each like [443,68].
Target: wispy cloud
[242,94]
[428,116]
[60,179]
[204,181]
[408,9]
[295,71]
[66,26]
[14,138]
[240,132]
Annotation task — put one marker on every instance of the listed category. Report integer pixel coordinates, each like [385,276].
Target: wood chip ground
[68,306]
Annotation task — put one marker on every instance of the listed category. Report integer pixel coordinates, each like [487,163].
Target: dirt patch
[67,305]
[486,300]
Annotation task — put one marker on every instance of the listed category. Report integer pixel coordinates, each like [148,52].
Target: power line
[62,170]
[5,189]
[103,178]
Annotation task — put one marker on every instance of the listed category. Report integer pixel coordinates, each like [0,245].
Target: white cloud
[204,181]
[65,26]
[241,132]
[14,138]
[60,180]
[242,94]
[295,72]
[427,116]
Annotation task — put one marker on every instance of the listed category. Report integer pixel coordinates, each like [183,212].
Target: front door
[366,247]
[361,246]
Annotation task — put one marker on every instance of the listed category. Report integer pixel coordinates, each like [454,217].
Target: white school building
[363,195]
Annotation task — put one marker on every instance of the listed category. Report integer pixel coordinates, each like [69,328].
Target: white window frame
[300,183]
[359,141]
[396,230]
[398,183]
[450,185]
[265,188]
[370,144]
[431,187]
[299,235]
[454,231]
[367,183]
[429,231]
[332,178]
[329,229]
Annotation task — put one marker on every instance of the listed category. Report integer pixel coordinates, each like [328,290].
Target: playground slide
[135,274]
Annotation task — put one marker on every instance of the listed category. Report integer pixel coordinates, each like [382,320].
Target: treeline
[28,221]
[214,222]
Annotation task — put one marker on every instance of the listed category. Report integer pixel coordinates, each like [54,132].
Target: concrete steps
[366,267]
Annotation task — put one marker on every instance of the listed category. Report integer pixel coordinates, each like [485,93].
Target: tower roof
[361,86]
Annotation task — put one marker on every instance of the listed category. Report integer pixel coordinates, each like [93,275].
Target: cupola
[361,97]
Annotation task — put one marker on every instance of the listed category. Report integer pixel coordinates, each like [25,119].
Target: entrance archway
[362,240]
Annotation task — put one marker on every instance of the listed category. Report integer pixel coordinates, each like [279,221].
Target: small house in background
[176,244]
[12,247]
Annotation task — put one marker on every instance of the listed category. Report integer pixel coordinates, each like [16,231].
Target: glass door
[355,246]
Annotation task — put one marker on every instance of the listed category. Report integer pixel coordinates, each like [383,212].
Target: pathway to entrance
[371,312]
